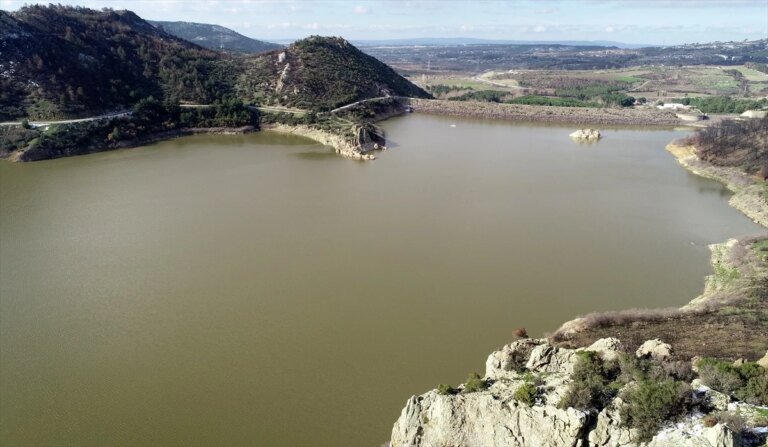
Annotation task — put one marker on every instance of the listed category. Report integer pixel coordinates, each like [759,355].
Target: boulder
[550,359]
[655,349]
[608,348]
[763,361]
[510,358]
[710,398]
[586,134]
[489,419]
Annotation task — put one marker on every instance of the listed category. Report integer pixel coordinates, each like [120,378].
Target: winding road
[118,114]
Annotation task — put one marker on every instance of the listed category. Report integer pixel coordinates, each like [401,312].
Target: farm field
[656,83]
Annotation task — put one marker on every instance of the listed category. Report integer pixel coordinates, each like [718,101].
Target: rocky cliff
[498,416]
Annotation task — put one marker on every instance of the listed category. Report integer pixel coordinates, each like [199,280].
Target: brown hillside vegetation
[739,144]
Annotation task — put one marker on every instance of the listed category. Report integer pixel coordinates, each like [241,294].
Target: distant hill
[61,61]
[215,37]
[323,73]
[451,41]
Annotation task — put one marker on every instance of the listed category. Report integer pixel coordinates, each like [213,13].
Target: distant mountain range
[438,41]
[215,37]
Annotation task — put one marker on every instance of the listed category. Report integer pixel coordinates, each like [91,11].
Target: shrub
[520,332]
[590,387]
[709,420]
[527,393]
[444,389]
[747,382]
[475,383]
[679,369]
[734,421]
[755,391]
[25,124]
[650,403]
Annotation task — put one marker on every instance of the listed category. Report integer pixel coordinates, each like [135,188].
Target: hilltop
[322,73]
[215,37]
[61,61]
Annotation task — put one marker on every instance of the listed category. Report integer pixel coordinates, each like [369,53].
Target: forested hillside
[215,37]
[61,61]
[322,73]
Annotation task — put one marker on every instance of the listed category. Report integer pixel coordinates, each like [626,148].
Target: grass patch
[630,79]
[529,391]
[761,247]
[475,383]
[444,390]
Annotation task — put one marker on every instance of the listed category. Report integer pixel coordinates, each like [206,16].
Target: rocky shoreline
[496,417]
[337,142]
[550,114]
[747,196]
[499,415]
[31,154]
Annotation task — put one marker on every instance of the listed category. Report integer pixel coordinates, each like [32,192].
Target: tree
[25,124]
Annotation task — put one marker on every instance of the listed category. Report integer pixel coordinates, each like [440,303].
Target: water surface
[259,290]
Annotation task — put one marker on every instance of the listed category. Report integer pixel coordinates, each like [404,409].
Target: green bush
[650,403]
[592,384]
[475,383]
[527,393]
[747,382]
[755,391]
[444,389]
[536,100]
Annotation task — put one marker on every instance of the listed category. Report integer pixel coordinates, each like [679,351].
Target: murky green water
[257,290]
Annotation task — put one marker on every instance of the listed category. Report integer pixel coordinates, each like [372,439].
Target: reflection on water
[231,290]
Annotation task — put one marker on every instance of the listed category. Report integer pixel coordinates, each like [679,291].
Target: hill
[321,73]
[215,37]
[67,61]
[61,61]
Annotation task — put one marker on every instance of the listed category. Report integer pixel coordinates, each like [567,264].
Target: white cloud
[361,10]
[540,29]
[609,29]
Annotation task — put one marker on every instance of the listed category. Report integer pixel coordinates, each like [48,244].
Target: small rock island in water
[586,135]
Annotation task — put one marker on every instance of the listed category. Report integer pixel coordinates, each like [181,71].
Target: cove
[259,290]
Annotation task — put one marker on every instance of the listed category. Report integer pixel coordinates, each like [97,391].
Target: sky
[656,22]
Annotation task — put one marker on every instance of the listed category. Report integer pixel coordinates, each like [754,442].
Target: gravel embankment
[572,115]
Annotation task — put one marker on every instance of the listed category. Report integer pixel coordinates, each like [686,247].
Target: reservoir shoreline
[738,273]
[507,112]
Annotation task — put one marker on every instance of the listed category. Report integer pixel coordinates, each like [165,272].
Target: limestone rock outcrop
[495,417]
[608,348]
[655,349]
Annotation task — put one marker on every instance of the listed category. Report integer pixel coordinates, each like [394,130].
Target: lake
[259,290]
